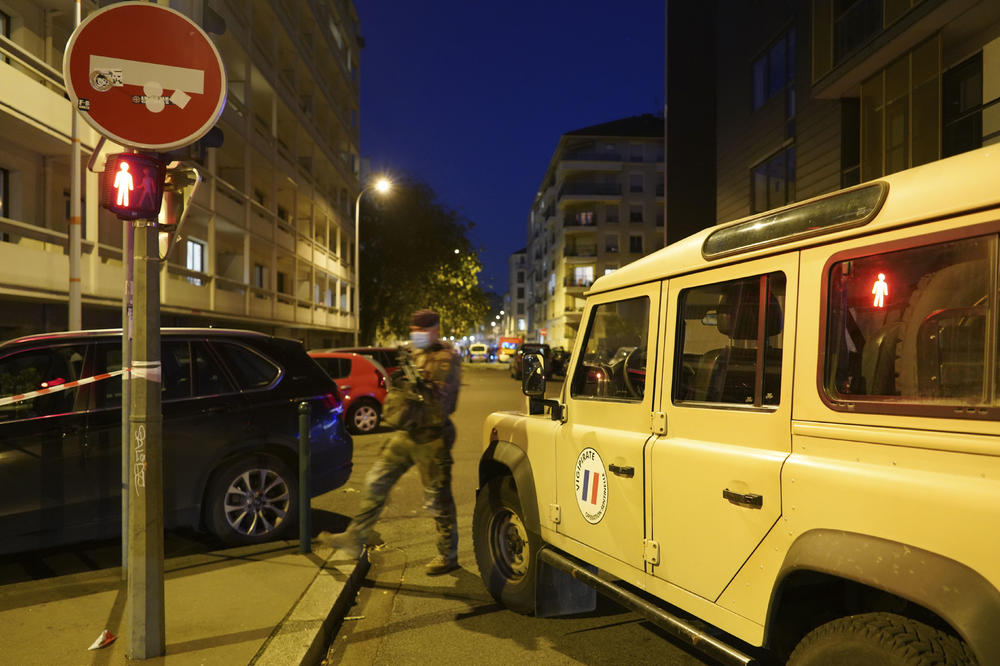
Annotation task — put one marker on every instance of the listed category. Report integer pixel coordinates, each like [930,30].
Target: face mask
[420,339]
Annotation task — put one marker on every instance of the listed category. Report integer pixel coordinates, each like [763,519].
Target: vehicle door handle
[751,500]
[627,470]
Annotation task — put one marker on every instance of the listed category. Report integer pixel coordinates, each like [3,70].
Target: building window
[610,268]
[635,152]
[855,22]
[5,31]
[282,283]
[585,218]
[635,182]
[635,214]
[520,292]
[4,193]
[520,308]
[195,260]
[774,71]
[520,276]
[900,117]
[522,324]
[635,244]
[772,182]
[659,218]
[260,276]
[611,214]
[962,90]
[611,243]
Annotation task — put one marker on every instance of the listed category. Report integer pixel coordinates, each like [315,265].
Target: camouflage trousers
[433,460]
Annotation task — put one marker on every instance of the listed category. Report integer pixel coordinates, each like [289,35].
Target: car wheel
[879,639]
[363,417]
[506,550]
[251,500]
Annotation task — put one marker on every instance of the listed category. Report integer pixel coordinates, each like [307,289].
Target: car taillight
[379,378]
[331,401]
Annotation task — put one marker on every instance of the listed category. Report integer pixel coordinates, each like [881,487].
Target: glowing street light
[381,185]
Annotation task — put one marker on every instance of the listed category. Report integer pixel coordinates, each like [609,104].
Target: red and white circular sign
[145,76]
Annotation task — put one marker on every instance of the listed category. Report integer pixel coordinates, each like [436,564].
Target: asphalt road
[402,616]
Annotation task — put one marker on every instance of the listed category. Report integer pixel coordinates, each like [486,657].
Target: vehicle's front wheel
[879,639]
[251,500]
[506,550]
[363,417]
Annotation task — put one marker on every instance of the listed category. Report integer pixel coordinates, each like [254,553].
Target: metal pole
[128,257]
[74,317]
[357,266]
[305,508]
[144,606]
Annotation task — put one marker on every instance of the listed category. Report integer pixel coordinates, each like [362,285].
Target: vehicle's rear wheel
[251,500]
[879,639]
[506,550]
[363,417]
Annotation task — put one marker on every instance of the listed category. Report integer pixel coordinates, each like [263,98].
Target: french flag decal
[591,482]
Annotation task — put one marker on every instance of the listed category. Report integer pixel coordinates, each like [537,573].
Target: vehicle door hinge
[658,422]
[651,551]
[555,514]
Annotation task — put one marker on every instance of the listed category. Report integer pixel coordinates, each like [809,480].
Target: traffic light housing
[132,185]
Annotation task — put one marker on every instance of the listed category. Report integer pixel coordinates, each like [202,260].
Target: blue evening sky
[471,97]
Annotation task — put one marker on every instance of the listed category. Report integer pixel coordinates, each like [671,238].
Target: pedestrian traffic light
[132,185]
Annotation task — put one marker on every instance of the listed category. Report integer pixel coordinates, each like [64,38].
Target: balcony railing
[580,251]
[592,156]
[577,282]
[592,189]
[574,221]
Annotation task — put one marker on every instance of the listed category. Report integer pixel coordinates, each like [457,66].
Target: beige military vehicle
[779,438]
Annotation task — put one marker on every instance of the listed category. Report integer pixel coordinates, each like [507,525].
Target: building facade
[599,206]
[268,240]
[815,95]
[514,322]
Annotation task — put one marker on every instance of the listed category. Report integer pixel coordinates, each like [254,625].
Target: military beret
[425,319]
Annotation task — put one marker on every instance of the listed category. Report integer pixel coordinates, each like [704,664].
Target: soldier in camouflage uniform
[441,367]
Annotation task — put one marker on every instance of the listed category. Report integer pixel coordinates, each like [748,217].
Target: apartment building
[514,322]
[599,206]
[815,95]
[268,241]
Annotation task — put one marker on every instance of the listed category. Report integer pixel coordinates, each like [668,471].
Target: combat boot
[441,565]
[345,543]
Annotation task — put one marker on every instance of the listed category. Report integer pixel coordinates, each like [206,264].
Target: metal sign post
[147,77]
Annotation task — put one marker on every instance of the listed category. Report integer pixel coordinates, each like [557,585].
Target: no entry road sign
[145,76]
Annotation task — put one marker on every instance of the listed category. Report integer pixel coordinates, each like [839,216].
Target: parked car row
[230,435]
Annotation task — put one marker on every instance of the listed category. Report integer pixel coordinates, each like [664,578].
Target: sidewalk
[263,605]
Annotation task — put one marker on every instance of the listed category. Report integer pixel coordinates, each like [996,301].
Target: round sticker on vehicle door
[591,486]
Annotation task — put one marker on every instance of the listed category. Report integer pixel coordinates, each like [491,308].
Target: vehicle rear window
[917,325]
[251,370]
[37,370]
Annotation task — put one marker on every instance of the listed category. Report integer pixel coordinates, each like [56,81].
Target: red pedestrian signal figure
[881,290]
[132,187]
[123,184]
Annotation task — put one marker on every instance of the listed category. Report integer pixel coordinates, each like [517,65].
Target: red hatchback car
[363,383]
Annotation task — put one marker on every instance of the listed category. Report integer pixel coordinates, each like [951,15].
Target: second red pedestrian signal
[132,185]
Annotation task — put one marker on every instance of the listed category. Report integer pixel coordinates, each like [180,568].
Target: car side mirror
[533,375]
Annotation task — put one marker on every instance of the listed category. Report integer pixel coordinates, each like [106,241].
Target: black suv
[230,435]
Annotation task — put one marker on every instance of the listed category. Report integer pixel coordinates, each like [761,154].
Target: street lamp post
[382,185]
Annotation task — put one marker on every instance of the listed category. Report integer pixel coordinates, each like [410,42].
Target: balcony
[588,161]
[580,250]
[571,221]
[589,192]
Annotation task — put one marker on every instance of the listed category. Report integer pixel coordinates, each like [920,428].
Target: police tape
[49,390]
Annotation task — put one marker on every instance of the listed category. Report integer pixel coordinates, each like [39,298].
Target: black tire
[364,417]
[506,550]
[879,639]
[251,500]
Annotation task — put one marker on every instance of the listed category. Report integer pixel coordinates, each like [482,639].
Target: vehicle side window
[337,368]
[914,326]
[176,375]
[209,379]
[40,370]
[729,342]
[612,364]
[252,371]
[108,391]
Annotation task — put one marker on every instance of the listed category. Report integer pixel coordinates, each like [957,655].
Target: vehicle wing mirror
[533,376]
